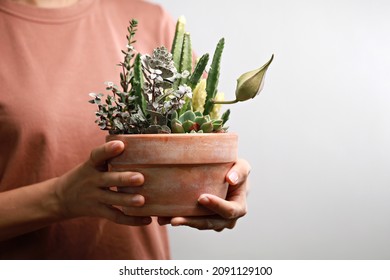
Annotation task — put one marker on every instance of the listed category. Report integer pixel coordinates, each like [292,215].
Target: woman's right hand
[86,189]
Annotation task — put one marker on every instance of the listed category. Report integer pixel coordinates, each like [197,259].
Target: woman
[55,201]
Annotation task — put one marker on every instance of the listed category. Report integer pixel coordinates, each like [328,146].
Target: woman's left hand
[227,211]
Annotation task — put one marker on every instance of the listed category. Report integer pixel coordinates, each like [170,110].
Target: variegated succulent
[165,93]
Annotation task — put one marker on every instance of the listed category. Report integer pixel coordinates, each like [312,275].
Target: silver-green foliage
[156,90]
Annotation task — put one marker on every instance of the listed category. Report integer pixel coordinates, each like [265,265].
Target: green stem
[223,101]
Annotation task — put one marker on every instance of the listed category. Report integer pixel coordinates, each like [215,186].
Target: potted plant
[166,111]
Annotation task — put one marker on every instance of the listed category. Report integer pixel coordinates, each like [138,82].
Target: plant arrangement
[164,92]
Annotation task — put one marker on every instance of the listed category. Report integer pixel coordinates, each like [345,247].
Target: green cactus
[185,65]
[225,116]
[186,57]
[156,95]
[200,67]
[177,43]
[213,77]
[137,84]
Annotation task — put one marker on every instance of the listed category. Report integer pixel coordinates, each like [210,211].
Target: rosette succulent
[165,92]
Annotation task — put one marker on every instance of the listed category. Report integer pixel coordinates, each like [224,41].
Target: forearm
[83,191]
[28,208]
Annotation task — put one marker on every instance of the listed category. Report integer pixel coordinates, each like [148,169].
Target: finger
[109,197]
[204,223]
[117,216]
[238,173]
[120,179]
[101,154]
[233,208]
[164,220]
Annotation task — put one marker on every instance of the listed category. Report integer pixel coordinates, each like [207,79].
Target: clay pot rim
[191,148]
[173,135]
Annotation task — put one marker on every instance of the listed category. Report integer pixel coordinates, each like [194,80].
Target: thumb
[101,154]
[238,173]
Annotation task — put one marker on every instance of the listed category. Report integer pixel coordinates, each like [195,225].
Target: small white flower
[185,74]
[109,84]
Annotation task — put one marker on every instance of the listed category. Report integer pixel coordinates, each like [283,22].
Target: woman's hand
[228,210]
[85,190]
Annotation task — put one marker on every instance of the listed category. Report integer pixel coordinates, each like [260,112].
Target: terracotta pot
[178,168]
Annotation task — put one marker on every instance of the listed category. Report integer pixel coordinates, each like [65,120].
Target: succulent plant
[165,93]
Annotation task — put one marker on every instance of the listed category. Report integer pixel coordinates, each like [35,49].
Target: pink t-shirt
[50,60]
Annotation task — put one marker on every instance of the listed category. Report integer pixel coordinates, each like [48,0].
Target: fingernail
[136,178]
[203,199]
[233,177]
[164,221]
[116,146]
[137,199]
[146,220]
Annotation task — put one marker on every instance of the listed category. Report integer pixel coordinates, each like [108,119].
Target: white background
[317,137]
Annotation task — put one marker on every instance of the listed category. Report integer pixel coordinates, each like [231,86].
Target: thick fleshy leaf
[201,120]
[207,127]
[176,127]
[217,125]
[189,125]
[189,115]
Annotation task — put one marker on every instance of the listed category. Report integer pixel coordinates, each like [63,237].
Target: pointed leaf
[225,116]
[176,126]
[207,127]
[189,125]
[188,115]
[201,120]
[217,124]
